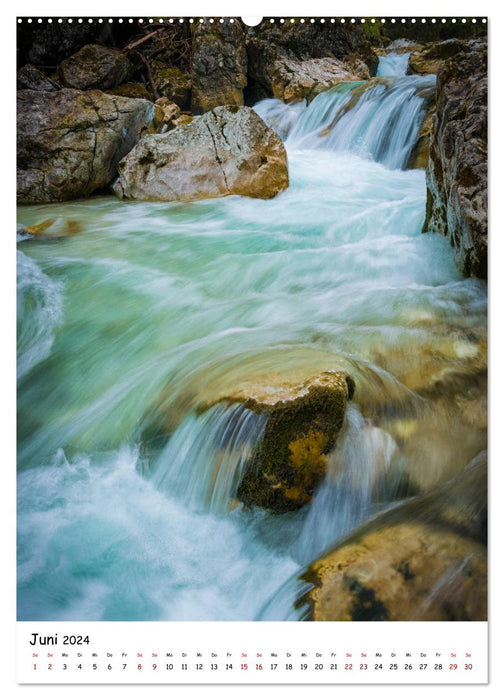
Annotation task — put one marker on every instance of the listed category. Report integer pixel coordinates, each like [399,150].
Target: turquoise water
[152,309]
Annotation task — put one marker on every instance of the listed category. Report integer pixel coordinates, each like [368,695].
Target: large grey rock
[69,142]
[219,66]
[457,172]
[228,150]
[95,67]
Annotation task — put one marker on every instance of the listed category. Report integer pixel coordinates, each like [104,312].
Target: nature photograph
[252,319]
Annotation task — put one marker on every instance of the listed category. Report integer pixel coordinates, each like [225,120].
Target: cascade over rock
[378,119]
[228,150]
[69,142]
[425,560]
[457,172]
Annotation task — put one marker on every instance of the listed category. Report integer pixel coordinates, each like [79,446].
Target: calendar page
[251,349]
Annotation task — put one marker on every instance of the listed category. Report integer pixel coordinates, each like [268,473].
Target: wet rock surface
[228,150]
[457,171]
[70,142]
[431,57]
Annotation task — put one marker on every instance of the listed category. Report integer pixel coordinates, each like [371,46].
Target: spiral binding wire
[270,20]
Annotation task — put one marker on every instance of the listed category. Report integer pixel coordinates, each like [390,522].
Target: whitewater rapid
[152,308]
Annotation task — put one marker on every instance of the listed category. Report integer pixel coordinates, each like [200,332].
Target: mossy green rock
[302,427]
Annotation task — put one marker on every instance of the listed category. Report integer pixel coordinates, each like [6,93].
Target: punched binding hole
[251,21]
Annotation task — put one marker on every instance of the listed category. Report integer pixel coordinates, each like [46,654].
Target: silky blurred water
[156,307]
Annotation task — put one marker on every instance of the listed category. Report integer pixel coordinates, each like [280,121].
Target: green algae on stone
[302,428]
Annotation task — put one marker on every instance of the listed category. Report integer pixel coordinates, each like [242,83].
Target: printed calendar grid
[171,653]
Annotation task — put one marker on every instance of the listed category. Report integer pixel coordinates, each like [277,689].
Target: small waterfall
[393,64]
[378,120]
[278,115]
[281,605]
[204,460]
[346,497]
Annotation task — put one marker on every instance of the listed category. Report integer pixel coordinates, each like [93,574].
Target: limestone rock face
[228,150]
[426,560]
[457,172]
[293,80]
[219,66]
[69,142]
[95,67]
[303,423]
[430,58]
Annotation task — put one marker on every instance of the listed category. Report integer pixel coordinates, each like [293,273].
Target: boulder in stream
[303,423]
[69,142]
[229,150]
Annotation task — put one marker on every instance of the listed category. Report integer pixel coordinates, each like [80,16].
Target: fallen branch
[144,38]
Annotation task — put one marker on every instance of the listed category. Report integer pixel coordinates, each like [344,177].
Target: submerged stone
[58,227]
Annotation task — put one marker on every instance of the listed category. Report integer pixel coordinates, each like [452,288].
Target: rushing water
[393,64]
[125,329]
[378,119]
